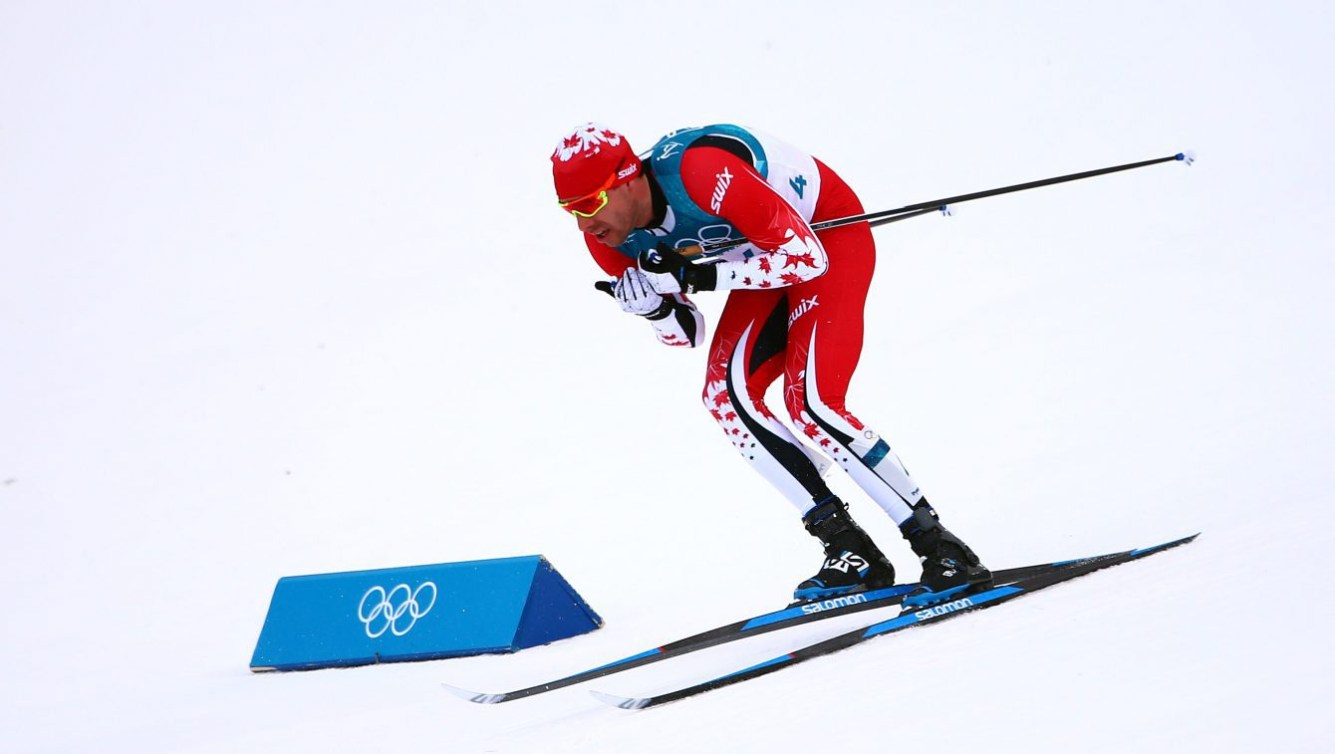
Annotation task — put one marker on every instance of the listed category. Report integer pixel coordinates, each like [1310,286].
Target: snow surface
[283,291]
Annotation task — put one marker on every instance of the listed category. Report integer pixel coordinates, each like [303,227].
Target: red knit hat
[588,157]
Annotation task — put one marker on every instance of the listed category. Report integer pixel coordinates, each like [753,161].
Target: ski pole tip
[1186,157]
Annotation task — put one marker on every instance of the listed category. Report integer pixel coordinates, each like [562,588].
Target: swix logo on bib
[720,190]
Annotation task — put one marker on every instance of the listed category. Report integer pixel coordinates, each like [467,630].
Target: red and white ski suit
[795,309]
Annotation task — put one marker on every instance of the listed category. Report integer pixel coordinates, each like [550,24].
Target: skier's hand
[636,296]
[669,271]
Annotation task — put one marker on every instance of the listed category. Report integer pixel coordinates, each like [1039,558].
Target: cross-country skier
[795,308]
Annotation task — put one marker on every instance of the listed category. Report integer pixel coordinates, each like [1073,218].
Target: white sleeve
[801,257]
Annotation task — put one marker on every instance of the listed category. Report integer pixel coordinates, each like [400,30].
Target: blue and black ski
[791,616]
[1003,590]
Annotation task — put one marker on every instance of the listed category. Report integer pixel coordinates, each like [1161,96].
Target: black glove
[671,272]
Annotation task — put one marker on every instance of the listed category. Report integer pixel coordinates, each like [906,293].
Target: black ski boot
[949,567]
[853,563]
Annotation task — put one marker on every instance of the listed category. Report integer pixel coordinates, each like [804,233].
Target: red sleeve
[729,187]
[725,185]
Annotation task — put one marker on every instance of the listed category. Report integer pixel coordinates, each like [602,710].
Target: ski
[793,615]
[908,618]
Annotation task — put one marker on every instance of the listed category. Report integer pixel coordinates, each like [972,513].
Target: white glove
[637,296]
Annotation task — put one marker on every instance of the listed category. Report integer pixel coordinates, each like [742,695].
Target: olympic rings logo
[396,611]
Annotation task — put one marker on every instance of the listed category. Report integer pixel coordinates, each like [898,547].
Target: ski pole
[873,219]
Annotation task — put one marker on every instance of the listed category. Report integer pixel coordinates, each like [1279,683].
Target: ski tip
[1165,546]
[622,702]
[473,696]
[1186,158]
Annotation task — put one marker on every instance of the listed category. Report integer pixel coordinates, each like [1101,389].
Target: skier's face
[612,224]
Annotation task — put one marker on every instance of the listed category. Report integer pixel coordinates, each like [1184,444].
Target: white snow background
[284,290]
